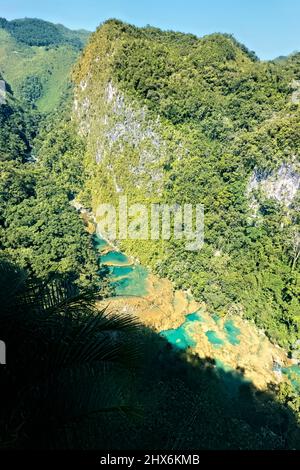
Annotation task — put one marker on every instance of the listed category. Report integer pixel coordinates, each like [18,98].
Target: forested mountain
[36,58]
[35,32]
[159,117]
[172,118]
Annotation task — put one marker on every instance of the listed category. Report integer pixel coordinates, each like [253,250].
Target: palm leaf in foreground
[67,360]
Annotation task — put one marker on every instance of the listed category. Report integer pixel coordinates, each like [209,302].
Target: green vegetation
[36,58]
[199,119]
[67,361]
[38,227]
[163,117]
[17,129]
[79,378]
[35,32]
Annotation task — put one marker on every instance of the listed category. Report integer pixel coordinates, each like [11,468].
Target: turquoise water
[115,258]
[99,243]
[194,317]
[121,285]
[214,339]
[179,337]
[126,279]
[232,332]
[293,374]
[120,271]
[133,284]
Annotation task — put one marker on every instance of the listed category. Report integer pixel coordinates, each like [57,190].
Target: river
[234,343]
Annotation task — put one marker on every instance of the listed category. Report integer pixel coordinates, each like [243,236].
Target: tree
[65,359]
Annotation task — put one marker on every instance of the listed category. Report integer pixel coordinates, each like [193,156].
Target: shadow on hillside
[188,403]
[174,400]
[181,402]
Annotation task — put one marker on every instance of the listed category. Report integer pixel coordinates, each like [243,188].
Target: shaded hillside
[38,177]
[102,381]
[17,127]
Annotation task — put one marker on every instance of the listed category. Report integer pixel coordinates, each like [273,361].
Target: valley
[232,342]
[176,348]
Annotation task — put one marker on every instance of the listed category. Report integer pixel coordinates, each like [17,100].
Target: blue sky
[269,27]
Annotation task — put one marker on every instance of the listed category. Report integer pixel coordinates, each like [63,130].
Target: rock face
[281,185]
[296,93]
[2,91]
[126,143]
[128,146]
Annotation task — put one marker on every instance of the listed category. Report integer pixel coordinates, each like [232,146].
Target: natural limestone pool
[182,336]
[131,283]
[127,279]
[232,332]
[293,374]
[114,258]
[233,343]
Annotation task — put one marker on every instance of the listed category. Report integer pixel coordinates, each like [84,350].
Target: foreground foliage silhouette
[75,378]
[65,358]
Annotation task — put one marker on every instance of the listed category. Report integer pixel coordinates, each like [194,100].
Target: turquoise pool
[120,271]
[214,339]
[232,332]
[99,243]
[115,258]
[179,337]
[293,374]
[134,283]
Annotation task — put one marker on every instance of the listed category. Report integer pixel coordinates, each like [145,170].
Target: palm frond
[69,360]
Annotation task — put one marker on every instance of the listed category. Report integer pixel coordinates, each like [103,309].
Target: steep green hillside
[17,127]
[36,58]
[174,118]
[39,230]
